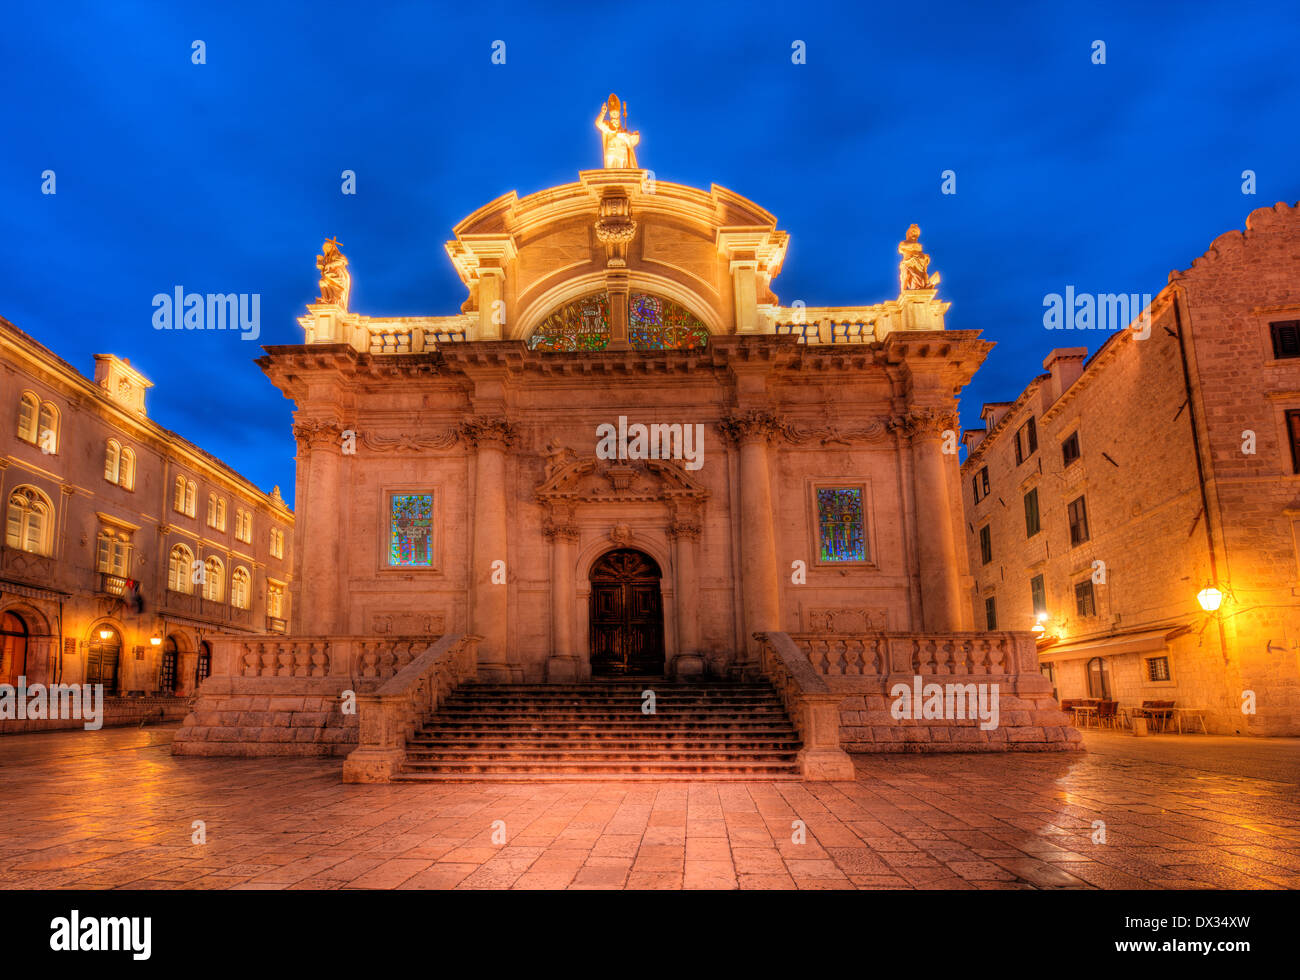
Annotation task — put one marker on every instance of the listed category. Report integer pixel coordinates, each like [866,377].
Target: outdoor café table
[1156,716]
[1190,717]
[1088,710]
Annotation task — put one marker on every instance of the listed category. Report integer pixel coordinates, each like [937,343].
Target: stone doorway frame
[596,506]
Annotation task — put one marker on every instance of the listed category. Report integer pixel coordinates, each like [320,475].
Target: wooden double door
[627,615]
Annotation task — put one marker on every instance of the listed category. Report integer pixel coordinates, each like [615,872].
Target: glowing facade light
[1210,598]
[106,634]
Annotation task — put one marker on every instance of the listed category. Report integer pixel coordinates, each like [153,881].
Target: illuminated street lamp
[155,640]
[105,634]
[1039,626]
[1210,598]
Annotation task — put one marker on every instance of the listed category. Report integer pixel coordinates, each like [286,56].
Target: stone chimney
[1065,364]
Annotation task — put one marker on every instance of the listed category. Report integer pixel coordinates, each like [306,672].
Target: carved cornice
[488,430]
[924,423]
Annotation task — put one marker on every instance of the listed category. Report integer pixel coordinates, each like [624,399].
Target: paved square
[113,809]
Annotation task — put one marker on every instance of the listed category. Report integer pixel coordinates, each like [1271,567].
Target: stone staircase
[597,730]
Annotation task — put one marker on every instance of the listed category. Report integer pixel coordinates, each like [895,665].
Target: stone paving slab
[114,809]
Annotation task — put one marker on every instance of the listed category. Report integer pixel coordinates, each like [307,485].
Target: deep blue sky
[225,177]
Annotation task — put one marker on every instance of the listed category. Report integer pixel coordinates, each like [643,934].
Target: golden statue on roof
[617,141]
[335,280]
[913,271]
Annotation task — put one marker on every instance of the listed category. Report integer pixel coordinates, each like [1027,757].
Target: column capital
[560,531]
[488,431]
[755,425]
[315,433]
[684,530]
[924,423]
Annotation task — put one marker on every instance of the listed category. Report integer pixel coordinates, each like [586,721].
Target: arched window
[113,461]
[102,655]
[178,570]
[653,323]
[214,579]
[28,408]
[30,524]
[1098,679]
[191,493]
[13,649]
[277,543]
[240,590]
[127,470]
[221,513]
[167,668]
[49,426]
[178,499]
[212,510]
[204,666]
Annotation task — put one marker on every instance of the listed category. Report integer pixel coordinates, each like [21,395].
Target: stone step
[591,777]
[612,755]
[710,730]
[613,766]
[597,700]
[550,743]
[662,725]
[597,712]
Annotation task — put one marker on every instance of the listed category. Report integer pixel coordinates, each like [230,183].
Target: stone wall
[118,712]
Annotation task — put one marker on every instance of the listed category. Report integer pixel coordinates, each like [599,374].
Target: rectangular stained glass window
[410,530]
[840,518]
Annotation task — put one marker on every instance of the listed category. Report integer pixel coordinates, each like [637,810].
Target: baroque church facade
[624,457]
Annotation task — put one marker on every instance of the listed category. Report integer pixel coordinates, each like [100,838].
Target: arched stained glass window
[580,325]
[653,323]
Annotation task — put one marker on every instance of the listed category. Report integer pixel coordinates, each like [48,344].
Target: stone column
[491,316]
[751,432]
[316,545]
[744,278]
[616,285]
[489,605]
[941,602]
[685,533]
[563,666]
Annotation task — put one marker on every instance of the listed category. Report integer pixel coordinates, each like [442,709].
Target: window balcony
[276,625]
[110,584]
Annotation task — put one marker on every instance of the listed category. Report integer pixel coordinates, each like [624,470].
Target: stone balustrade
[394,712]
[361,658]
[926,654]
[868,673]
[813,707]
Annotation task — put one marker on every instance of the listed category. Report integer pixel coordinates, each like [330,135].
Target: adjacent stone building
[126,547]
[1117,489]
